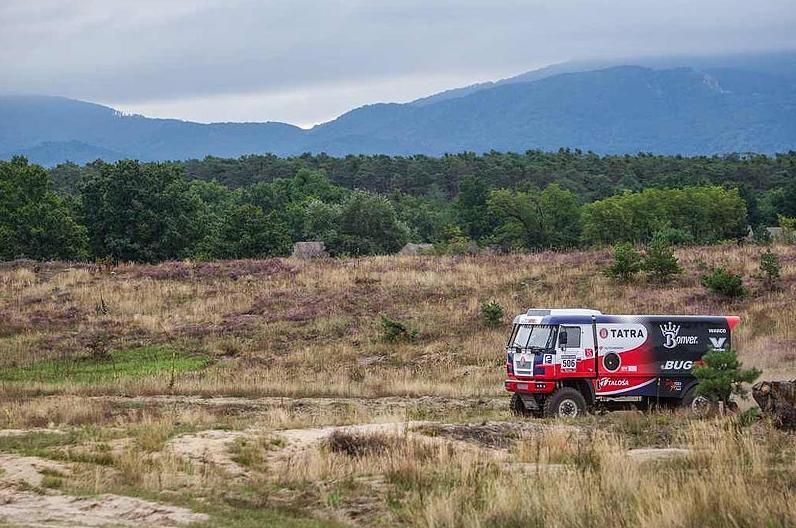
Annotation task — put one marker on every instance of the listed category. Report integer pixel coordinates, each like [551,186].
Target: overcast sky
[307,61]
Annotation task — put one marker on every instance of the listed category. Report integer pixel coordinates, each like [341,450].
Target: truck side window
[573,336]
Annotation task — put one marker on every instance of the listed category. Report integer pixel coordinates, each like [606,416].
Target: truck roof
[584,316]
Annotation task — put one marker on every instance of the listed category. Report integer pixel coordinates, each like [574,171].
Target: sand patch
[27,508]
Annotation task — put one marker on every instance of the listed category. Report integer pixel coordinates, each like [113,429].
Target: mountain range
[674,105]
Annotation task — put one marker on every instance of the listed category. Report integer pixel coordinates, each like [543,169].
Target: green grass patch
[122,364]
[45,444]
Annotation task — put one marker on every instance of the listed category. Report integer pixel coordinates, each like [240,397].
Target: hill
[52,129]
[675,106]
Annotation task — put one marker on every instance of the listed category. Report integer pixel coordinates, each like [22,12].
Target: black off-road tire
[517,406]
[566,402]
[695,404]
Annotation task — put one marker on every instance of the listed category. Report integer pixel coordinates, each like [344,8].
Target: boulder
[309,250]
[416,249]
[777,399]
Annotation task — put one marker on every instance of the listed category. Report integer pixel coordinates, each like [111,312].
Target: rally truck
[566,362]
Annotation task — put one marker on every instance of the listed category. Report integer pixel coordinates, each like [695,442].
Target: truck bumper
[530,387]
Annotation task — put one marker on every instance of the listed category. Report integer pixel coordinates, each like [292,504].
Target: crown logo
[670,332]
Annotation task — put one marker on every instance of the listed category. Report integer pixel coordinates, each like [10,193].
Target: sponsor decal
[589,352]
[629,368]
[613,382]
[673,385]
[548,358]
[678,365]
[717,330]
[672,338]
[603,333]
[627,332]
[718,342]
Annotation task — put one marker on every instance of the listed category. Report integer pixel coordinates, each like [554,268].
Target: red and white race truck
[564,362]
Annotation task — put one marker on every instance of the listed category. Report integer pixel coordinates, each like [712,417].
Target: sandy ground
[24,502]
[20,505]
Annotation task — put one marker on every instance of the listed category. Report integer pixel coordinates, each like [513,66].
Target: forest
[258,205]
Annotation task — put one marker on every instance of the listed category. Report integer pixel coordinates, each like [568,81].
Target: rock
[416,249]
[309,250]
[777,399]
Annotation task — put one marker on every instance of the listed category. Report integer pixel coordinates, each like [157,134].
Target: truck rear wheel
[566,402]
[696,404]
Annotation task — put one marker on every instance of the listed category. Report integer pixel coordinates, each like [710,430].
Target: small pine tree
[627,262]
[660,262]
[395,331]
[724,283]
[492,313]
[722,376]
[770,268]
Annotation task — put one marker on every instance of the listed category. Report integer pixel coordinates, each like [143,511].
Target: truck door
[575,350]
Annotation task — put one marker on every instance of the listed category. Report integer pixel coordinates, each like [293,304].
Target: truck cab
[540,353]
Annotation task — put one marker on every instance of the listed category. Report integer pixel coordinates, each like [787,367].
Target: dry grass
[300,344]
[733,478]
[281,327]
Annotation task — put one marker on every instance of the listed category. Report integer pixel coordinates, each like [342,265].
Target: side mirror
[562,338]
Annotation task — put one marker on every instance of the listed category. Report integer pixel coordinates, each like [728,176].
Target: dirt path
[384,404]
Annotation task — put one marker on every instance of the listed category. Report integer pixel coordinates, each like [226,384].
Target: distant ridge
[674,105]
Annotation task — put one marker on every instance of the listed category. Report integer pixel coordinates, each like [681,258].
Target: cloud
[299,58]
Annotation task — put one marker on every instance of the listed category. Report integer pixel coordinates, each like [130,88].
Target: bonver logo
[671,337]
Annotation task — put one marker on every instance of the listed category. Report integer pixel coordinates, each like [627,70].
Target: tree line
[257,206]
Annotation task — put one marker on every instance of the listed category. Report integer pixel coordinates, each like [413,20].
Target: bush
[660,262]
[395,331]
[674,236]
[627,262]
[722,375]
[724,283]
[770,269]
[788,226]
[491,313]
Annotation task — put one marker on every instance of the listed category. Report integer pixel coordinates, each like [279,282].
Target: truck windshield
[533,336]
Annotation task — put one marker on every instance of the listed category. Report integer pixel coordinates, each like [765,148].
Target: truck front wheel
[518,407]
[566,402]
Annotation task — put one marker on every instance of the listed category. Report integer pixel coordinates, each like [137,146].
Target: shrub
[724,283]
[627,262]
[660,262]
[770,268]
[394,331]
[674,236]
[492,313]
[788,226]
[358,445]
[722,375]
